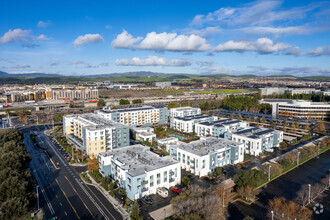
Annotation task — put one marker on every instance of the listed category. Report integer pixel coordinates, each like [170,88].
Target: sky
[194,37]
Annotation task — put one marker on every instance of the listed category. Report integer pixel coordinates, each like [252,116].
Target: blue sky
[232,37]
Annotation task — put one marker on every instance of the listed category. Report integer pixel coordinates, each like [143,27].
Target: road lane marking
[60,204]
[67,199]
[80,197]
[65,213]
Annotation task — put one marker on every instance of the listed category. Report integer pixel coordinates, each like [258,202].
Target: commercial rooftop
[138,159]
[206,146]
[192,117]
[254,132]
[221,122]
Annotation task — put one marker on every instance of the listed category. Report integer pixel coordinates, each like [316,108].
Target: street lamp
[309,193]
[272,214]
[298,158]
[269,172]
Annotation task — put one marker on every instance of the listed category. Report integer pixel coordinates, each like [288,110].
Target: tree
[321,128]
[137,101]
[100,103]
[224,194]
[172,105]
[247,192]
[250,177]
[124,102]
[263,120]
[58,117]
[289,209]
[135,214]
[275,169]
[185,181]
[92,164]
[248,218]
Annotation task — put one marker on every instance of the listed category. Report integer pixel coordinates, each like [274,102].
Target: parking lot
[60,148]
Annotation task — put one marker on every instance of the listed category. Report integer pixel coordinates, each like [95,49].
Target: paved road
[285,186]
[62,193]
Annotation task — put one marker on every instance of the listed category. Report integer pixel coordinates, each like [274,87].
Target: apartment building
[167,142]
[203,156]
[139,171]
[93,134]
[143,134]
[73,93]
[256,140]
[137,116]
[22,96]
[123,86]
[299,108]
[187,124]
[184,111]
[220,127]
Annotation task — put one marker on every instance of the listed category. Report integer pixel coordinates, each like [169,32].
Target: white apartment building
[184,111]
[299,108]
[167,142]
[203,156]
[93,134]
[256,140]
[187,124]
[143,134]
[137,116]
[220,127]
[139,171]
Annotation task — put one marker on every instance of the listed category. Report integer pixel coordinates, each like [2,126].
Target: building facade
[184,111]
[256,140]
[203,156]
[139,171]
[220,127]
[93,134]
[143,134]
[187,124]
[77,93]
[137,116]
[299,108]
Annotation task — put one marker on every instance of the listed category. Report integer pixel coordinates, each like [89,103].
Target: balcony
[144,189]
[171,180]
[192,161]
[144,182]
[192,166]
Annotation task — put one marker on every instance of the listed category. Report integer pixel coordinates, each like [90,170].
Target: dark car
[147,200]
[175,189]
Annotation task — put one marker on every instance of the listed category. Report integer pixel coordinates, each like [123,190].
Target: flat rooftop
[221,122]
[94,121]
[142,108]
[254,132]
[183,108]
[138,159]
[206,146]
[192,117]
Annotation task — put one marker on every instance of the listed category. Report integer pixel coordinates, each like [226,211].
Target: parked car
[162,191]
[175,189]
[147,200]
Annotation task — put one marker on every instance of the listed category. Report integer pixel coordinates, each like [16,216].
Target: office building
[299,108]
[93,134]
[123,86]
[184,111]
[164,84]
[137,116]
[292,91]
[139,171]
[220,127]
[187,124]
[256,140]
[203,156]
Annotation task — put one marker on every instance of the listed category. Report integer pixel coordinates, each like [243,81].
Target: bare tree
[247,192]
[302,195]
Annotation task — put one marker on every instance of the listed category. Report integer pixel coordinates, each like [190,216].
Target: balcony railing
[171,180]
[144,189]
[144,182]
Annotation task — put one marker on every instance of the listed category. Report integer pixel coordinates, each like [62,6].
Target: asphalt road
[62,192]
[285,186]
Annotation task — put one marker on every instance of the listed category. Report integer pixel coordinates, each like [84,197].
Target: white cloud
[16,35]
[205,63]
[173,42]
[254,13]
[42,37]
[296,51]
[153,61]
[294,30]
[203,32]
[87,39]
[21,66]
[43,24]
[124,40]
[80,63]
[262,46]
[320,51]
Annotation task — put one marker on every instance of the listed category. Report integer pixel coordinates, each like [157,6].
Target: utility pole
[298,158]
[272,214]
[269,172]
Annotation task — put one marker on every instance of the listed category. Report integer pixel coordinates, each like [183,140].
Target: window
[183,158]
[151,181]
[165,176]
[179,156]
[129,180]
[158,178]
[176,172]
[203,164]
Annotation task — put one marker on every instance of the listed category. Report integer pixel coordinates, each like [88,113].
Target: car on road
[147,200]
[175,189]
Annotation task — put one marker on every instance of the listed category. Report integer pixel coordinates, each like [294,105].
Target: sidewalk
[112,200]
[162,213]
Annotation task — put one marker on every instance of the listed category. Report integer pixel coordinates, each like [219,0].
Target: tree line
[248,103]
[16,185]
